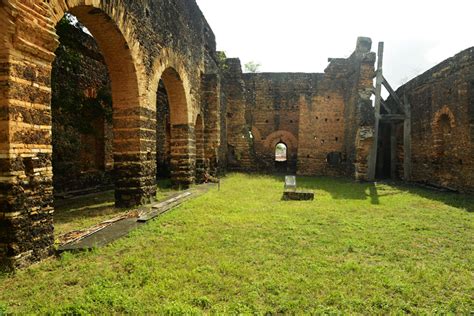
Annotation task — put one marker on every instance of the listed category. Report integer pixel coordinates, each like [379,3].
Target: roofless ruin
[158,100]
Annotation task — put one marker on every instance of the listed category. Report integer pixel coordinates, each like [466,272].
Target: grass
[85,211]
[358,248]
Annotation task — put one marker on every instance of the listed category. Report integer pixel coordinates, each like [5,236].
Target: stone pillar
[211,99]
[183,155]
[26,187]
[201,163]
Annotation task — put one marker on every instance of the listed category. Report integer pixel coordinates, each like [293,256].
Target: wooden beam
[392,117]
[385,106]
[378,99]
[407,141]
[393,94]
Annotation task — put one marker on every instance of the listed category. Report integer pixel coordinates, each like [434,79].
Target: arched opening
[31,44]
[82,131]
[163,135]
[200,155]
[442,136]
[173,131]
[94,131]
[281,157]
[281,152]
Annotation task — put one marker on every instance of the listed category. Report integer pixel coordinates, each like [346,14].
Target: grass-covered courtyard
[357,248]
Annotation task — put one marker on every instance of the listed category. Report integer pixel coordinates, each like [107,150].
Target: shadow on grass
[343,188]
[91,205]
[457,200]
[339,188]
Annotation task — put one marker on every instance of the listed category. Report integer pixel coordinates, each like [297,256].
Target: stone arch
[169,69]
[443,124]
[110,28]
[281,155]
[172,64]
[30,52]
[281,137]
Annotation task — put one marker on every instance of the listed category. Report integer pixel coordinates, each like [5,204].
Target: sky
[300,35]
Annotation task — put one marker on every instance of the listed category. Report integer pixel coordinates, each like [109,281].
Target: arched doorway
[178,131]
[281,157]
[281,152]
[82,130]
[163,134]
[30,232]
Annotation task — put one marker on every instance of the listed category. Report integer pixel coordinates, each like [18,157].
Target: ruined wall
[273,115]
[326,120]
[239,151]
[81,114]
[442,106]
[139,41]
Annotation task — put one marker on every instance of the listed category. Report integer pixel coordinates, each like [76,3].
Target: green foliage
[221,60]
[357,249]
[252,67]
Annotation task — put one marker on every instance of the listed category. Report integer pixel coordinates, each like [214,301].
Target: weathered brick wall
[273,115]
[326,120]
[239,152]
[442,102]
[82,126]
[140,41]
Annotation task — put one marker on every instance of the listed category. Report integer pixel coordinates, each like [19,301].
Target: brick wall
[442,102]
[326,120]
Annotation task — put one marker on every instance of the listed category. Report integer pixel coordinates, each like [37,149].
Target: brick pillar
[26,190]
[27,44]
[183,155]
[201,161]
[211,99]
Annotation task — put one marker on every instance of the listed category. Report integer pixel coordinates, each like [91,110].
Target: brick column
[183,155]
[211,99]
[26,190]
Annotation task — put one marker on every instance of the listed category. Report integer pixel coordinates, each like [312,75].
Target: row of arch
[27,45]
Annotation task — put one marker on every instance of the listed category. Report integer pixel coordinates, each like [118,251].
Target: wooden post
[407,141]
[378,101]
[393,150]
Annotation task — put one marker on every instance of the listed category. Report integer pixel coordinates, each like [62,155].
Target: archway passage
[81,106]
[281,157]
[26,217]
[181,133]
[82,131]
[281,152]
[163,133]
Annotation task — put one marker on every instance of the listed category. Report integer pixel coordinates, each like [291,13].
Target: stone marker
[290,183]
[291,194]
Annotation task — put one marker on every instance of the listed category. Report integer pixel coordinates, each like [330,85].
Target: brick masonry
[325,120]
[442,102]
[183,110]
[142,43]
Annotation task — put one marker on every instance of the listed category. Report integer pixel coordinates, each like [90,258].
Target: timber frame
[396,113]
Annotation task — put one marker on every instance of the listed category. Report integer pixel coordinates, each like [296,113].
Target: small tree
[252,67]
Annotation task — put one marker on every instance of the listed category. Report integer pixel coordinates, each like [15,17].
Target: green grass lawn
[357,248]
